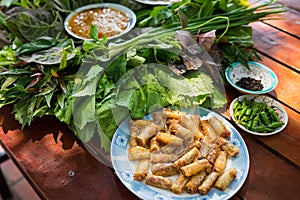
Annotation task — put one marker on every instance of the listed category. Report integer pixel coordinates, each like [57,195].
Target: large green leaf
[30,24]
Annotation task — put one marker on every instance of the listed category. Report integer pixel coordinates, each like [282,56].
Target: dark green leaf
[36,45]
[94,32]
[117,68]
[30,24]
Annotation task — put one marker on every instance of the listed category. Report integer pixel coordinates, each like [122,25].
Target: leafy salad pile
[173,57]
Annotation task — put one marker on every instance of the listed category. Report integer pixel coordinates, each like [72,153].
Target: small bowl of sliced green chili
[258,114]
[257,79]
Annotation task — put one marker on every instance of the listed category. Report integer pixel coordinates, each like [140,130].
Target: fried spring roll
[146,132]
[159,119]
[195,167]
[168,138]
[172,114]
[211,135]
[219,127]
[220,163]
[172,142]
[194,182]
[225,179]
[191,123]
[162,158]
[187,158]
[141,169]
[204,149]
[179,184]
[213,153]
[208,183]
[138,153]
[154,145]
[181,131]
[158,181]
[133,132]
[232,150]
[164,169]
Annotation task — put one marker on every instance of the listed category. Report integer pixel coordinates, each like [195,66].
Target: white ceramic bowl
[257,71]
[128,12]
[270,102]
[157,2]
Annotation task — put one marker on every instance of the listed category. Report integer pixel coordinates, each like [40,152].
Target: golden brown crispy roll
[146,132]
[172,114]
[162,158]
[211,135]
[208,183]
[154,145]
[195,167]
[172,142]
[219,127]
[141,169]
[159,119]
[225,179]
[167,138]
[204,149]
[220,163]
[212,153]
[133,132]
[164,169]
[191,122]
[187,158]
[195,181]
[232,150]
[181,131]
[158,181]
[179,184]
[138,153]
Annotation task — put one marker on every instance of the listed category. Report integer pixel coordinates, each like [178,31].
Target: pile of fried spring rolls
[193,150]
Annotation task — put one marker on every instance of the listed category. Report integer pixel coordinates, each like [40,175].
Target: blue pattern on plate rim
[125,169]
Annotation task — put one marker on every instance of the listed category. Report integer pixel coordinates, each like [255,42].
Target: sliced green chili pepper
[243,111]
[249,124]
[273,114]
[275,125]
[254,111]
[244,124]
[262,129]
[256,120]
[235,105]
[244,102]
[245,118]
[264,118]
[249,111]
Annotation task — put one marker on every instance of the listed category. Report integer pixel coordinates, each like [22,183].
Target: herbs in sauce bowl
[258,79]
[112,20]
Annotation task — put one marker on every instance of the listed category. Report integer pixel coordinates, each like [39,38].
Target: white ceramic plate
[270,102]
[257,71]
[125,168]
[128,12]
[157,2]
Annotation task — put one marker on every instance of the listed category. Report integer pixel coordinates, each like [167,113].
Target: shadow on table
[39,128]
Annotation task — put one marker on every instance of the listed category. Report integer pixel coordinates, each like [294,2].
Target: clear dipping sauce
[109,22]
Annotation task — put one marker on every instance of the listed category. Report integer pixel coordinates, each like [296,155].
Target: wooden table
[58,166]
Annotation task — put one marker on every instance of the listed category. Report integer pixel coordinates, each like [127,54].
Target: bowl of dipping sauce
[258,79]
[112,20]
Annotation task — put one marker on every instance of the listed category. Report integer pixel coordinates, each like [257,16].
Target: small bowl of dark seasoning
[257,79]
[112,20]
[250,84]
